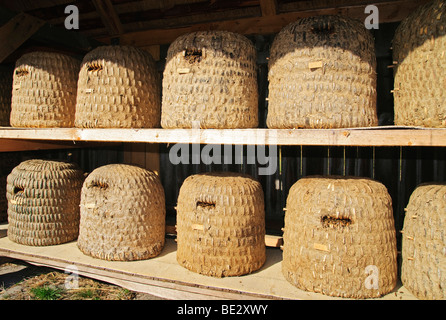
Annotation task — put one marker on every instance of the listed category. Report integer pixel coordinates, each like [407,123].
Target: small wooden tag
[315,65]
[183,70]
[321,247]
[198,227]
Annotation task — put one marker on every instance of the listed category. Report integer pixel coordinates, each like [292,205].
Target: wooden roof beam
[16,31]
[390,11]
[109,17]
[268,7]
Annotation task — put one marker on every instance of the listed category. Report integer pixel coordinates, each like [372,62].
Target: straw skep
[339,237]
[210,78]
[43,202]
[423,268]
[322,75]
[221,224]
[122,214]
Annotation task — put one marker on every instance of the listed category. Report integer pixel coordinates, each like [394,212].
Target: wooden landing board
[376,136]
[164,277]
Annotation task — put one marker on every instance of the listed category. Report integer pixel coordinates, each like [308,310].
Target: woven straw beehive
[122,214]
[221,224]
[322,75]
[119,87]
[423,269]
[211,78]
[44,90]
[43,202]
[419,49]
[339,237]
[5,95]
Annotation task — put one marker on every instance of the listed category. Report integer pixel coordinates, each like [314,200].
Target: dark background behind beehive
[400,169]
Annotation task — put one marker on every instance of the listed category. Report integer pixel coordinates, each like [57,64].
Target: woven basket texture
[122,214]
[44,90]
[211,78]
[419,48]
[423,268]
[119,87]
[322,75]
[43,202]
[221,224]
[5,95]
[339,237]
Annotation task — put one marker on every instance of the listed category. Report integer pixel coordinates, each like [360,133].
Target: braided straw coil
[44,91]
[43,202]
[221,224]
[122,214]
[119,87]
[339,237]
[419,48]
[423,270]
[322,75]
[211,78]
[5,94]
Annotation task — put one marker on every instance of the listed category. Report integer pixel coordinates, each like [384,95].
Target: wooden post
[16,31]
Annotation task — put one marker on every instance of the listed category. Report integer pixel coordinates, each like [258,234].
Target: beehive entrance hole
[193,55]
[21,72]
[92,67]
[18,190]
[205,205]
[323,29]
[99,185]
[332,222]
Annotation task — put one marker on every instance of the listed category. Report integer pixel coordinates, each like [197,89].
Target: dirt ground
[22,281]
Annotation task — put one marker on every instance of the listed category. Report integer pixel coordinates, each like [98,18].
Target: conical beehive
[322,75]
[44,91]
[5,95]
[221,224]
[119,87]
[419,49]
[43,202]
[210,78]
[423,269]
[122,214]
[339,237]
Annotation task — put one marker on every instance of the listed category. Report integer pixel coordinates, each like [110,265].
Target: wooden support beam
[109,17]
[389,11]
[16,31]
[268,7]
[72,41]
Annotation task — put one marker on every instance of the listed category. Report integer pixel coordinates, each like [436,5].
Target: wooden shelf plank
[378,136]
[164,277]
